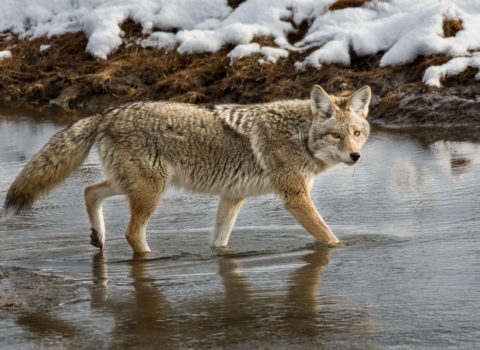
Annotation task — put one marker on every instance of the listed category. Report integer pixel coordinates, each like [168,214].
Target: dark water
[409,276]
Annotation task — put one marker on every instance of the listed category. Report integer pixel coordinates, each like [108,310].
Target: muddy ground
[26,292]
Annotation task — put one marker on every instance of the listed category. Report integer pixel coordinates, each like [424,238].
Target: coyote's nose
[355,156]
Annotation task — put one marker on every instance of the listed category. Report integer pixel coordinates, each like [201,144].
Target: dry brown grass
[234,3]
[300,31]
[67,75]
[342,4]
[132,29]
[452,26]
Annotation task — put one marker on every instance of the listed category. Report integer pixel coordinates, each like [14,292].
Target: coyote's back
[233,151]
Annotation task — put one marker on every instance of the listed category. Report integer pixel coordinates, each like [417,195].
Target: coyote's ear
[360,100]
[321,103]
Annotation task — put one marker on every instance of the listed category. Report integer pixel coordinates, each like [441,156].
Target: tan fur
[234,151]
[227,212]
[58,158]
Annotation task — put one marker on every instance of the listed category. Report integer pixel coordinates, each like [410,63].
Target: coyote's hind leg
[94,196]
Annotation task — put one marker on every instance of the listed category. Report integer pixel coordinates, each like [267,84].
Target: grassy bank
[58,70]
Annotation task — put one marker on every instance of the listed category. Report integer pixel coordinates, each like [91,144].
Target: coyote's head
[339,128]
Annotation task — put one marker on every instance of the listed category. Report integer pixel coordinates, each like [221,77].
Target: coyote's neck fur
[263,123]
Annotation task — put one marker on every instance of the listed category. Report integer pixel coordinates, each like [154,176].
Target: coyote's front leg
[297,200]
[303,209]
[227,212]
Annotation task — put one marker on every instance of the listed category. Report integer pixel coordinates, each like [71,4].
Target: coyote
[234,151]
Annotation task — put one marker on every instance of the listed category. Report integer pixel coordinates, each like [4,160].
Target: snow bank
[271,53]
[400,29]
[455,66]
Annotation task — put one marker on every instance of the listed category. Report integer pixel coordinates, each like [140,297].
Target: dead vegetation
[64,73]
[234,3]
[343,4]
[452,26]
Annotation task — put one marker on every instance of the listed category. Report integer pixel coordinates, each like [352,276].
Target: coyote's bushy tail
[65,151]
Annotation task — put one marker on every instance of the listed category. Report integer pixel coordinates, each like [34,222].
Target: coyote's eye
[357,133]
[336,136]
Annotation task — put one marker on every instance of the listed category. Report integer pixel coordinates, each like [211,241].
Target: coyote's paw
[96,239]
[323,245]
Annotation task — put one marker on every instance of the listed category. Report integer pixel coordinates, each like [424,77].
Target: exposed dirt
[25,292]
[65,74]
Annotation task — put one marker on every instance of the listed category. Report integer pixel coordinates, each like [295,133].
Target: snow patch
[160,40]
[434,74]
[5,54]
[271,54]
[401,30]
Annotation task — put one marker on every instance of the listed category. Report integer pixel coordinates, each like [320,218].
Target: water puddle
[407,277]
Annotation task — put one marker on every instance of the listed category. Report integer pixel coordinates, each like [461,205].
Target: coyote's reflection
[145,318]
[138,315]
[141,317]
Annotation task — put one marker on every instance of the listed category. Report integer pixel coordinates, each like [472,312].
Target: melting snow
[401,30]
[5,54]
